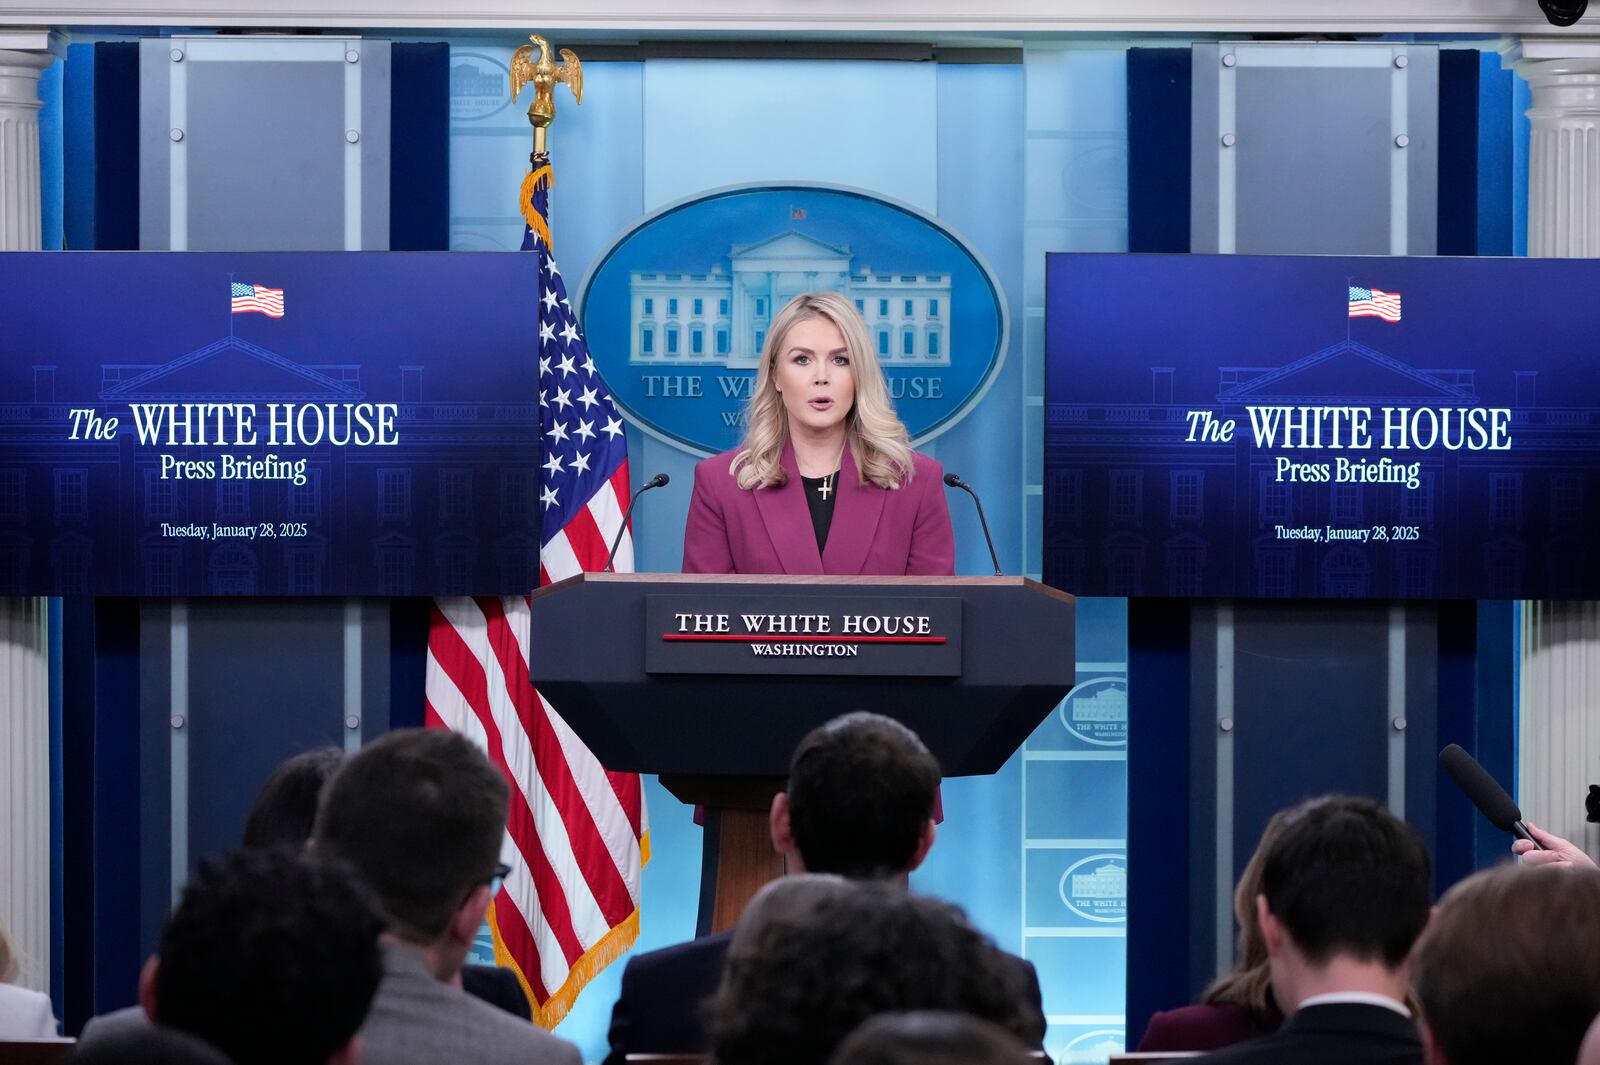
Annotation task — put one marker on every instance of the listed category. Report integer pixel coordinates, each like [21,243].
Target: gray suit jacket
[417,1020]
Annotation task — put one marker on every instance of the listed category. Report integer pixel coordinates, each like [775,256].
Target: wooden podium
[711,681]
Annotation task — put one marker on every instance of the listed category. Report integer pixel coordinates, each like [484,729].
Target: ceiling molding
[824,18]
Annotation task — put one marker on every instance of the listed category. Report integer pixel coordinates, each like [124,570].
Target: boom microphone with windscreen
[1485,792]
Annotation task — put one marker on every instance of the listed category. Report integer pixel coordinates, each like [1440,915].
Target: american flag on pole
[256,298]
[1374,303]
[577,835]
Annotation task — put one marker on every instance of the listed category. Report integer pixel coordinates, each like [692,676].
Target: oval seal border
[952,418]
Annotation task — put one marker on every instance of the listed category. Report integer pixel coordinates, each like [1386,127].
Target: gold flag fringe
[539,177]
[611,946]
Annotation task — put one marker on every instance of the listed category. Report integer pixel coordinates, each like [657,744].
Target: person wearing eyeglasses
[420,814]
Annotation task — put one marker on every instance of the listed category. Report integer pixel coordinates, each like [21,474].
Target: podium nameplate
[767,635]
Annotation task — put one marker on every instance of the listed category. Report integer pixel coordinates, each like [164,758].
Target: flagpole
[230,305]
[1349,283]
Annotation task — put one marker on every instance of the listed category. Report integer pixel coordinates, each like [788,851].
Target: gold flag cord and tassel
[540,178]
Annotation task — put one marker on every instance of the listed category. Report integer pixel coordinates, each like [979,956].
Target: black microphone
[1485,792]
[952,481]
[655,482]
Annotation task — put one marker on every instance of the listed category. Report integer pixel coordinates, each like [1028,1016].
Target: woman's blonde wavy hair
[877,438]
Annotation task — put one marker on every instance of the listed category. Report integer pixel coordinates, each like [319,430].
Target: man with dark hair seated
[284,813]
[1344,894]
[286,806]
[859,803]
[420,814]
[813,957]
[1509,968]
[930,1037]
[271,957]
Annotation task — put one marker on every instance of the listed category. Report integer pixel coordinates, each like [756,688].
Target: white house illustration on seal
[720,318]
[1109,705]
[1110,881]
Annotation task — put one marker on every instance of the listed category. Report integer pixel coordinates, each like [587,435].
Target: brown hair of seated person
[1249,983]
[1508,970]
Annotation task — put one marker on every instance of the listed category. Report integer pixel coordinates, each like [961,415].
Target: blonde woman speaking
[825,481]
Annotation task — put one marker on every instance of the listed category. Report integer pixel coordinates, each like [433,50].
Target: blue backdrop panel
[1309,679]
[1459,128]
[1077,800]
[1496,128]
[1159,91]
[116,147]
[78,179]
[77,660]
[115,870]
[419,147]
[1477,690]
[1100,999]
[52,156]
[1159,809]
[238,730]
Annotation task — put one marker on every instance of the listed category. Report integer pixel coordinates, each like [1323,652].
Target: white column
[1564,149]
[24,646]
[25,786]
[19,149]
[1558,745]
[1559,737]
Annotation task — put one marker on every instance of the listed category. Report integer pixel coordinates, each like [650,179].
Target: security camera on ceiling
[1563,12]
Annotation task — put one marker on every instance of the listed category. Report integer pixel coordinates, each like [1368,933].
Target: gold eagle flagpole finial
[544,73]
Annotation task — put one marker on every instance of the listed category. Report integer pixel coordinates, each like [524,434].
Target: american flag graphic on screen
[257,299]
[577,835]
[1374,303]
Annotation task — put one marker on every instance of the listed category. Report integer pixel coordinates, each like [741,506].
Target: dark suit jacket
[768,530]
[1204,1026]
[497,987]
[1334,1034]
[658,1011]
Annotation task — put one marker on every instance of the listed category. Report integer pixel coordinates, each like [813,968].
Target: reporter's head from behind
[859,802]
[271,957]
[420,815]
[814,956]
[1509,968]
[1345,891]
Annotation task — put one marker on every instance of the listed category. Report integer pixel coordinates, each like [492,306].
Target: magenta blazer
[1206,1026]
[877,531]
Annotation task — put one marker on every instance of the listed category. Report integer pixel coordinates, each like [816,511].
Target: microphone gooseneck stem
[956,482]
[655,482]
[983,521]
